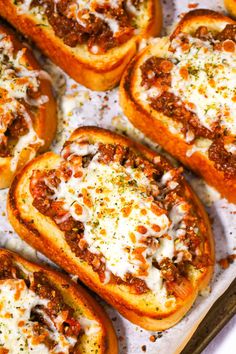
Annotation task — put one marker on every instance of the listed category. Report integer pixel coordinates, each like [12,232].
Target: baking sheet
[79,106]
[220,313]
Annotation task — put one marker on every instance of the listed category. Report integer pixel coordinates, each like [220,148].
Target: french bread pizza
[231,7]
[27,106]
[43,311]
[91,40]
[122,219]
[181,92]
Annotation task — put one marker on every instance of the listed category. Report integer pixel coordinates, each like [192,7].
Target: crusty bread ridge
[97,72]
[155,124]
[42,233]
[231,7]
[104,342]
[45,119]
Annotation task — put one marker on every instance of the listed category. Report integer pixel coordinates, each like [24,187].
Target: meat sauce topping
[128,218]
[101,24]
[40,317]
[195,85]
[19,98]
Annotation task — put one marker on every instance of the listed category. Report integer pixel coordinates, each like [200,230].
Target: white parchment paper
[80,106]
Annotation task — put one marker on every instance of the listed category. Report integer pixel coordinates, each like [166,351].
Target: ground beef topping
[101,24]
[196,87]
[17,128]
[51,322]
[224,160]
[122,214]
[19,98]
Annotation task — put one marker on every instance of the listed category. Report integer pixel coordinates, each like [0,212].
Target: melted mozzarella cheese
[209,90]
[90,6]
[131,8]
[231,148]
[118,217]
[25,142]
[24,6]
[90,327]
[15,79]
[16,328]
[113,3]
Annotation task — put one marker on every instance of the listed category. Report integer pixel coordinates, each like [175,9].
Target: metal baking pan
[220,313]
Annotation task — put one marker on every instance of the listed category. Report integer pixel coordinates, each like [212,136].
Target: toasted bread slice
[97,71]
[180,92]
[49,312]
[231,7]
[27,119]
[121,218]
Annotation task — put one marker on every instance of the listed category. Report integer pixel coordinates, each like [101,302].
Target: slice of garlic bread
[121,218]
[27,106]
[180,91]
[91,40]
[43,311]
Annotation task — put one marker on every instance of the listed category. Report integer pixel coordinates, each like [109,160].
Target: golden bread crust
[231,7]
[193,19]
